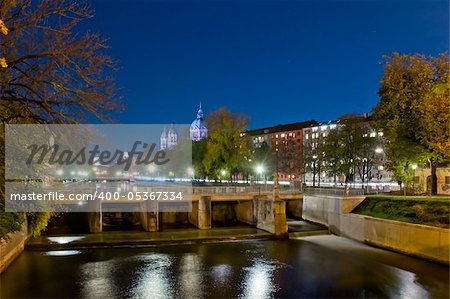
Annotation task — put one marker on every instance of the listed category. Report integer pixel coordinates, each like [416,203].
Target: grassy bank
[433,211]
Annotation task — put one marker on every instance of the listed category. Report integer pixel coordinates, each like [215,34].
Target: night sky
[276,61]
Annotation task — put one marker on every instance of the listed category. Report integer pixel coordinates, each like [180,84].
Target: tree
[265,157]
[50,72]
[349,149]
[198,154]
[226,148]
[313,158]
[289,157]
[414,110]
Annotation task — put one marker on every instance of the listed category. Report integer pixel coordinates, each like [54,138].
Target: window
[417,180]
[447,180]
[307,136]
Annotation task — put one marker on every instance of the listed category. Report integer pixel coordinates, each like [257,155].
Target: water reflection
[154,278]
[97,280]
[64,240]
[221,273]
[191,278]
[258,280]
[258,269]
[62,252]
[408,286]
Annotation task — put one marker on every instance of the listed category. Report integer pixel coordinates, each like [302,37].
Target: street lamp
[223,172]
[414,167]
[259,171]
[314,169]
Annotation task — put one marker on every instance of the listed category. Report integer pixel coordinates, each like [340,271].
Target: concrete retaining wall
[422,241]
[295,207]
[271,216]
[246,212]
[10,250]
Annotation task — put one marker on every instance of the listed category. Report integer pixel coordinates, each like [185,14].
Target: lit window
[333,126]
[380,134]
[323,128]
[373,134]
[307,136]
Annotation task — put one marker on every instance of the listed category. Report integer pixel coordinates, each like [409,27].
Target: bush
[37,222]
[9,223]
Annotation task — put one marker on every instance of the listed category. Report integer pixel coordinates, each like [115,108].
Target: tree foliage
[226,149]
[51,72]
[349,149]
[414,110]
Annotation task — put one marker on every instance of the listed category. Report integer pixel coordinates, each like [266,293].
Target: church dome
[198,129]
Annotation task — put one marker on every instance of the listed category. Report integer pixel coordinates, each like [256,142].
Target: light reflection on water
[64,240]
[154,279]
[258,280]
[259,269]
[97,280]
[62,252]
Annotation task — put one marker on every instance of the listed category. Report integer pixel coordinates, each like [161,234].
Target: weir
[259,210]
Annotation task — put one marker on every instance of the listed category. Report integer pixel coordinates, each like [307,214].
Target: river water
[313,267]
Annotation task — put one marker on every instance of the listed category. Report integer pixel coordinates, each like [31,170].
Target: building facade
[169,138]
[316,173]
[285,143]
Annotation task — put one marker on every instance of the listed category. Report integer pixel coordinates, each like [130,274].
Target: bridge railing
[334,192]
[241,189]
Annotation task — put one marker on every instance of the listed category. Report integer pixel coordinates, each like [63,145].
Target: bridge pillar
[200,216]
[204,212]
[280,223]
[95,222]
[95,219]
[150,216]
[271,216]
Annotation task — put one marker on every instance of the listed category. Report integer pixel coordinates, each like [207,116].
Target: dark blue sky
[276,61]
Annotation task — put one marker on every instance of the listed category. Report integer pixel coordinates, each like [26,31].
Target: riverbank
[427,242]
[142,238]
[431,211]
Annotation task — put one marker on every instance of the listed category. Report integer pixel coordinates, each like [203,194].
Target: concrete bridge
[254,205]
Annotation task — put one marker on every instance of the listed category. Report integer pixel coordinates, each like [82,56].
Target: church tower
[172,137]
[163,140]
[198,130]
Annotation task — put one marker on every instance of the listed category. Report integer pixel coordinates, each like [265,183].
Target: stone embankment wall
[422,241]
[11,249]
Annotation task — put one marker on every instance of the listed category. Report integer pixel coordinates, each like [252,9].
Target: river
[313,267]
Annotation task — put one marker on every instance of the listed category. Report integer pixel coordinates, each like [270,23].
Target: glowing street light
[259,169]
[223,172]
